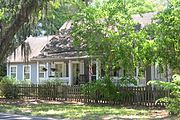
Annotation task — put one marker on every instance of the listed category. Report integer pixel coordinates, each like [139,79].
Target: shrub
[8,87]
[49,88]
[24,82]
[127,80]
[24,88]
[52,82]
[173,102]
[102,89]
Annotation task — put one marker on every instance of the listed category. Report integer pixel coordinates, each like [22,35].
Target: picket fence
[146,96]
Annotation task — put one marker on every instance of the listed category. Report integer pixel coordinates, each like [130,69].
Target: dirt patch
[35,101]
[11,101]
[159,114]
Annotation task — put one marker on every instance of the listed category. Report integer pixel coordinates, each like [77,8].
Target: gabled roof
[36,45]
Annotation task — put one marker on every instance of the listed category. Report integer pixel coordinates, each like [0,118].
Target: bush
[49,88]
[8,87]
[24,82]
[127,80]
[53,82]
[23,87]
[173,102]
[102,89]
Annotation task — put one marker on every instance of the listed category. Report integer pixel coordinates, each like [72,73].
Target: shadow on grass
[82,111]
[79,111]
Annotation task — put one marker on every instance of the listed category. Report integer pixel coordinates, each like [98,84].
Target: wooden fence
[146,96]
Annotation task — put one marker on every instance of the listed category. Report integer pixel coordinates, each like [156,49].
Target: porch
[70,72]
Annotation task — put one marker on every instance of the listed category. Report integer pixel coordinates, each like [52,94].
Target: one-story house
[55,57]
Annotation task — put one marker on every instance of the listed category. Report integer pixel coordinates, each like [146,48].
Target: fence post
[54,92]
[96,96]
[64,89]
[14,92]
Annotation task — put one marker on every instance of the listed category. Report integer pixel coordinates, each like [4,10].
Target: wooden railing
[146,96]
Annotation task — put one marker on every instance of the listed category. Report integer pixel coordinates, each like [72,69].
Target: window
[42,71]
[13,71]
[115,73]
[27,72]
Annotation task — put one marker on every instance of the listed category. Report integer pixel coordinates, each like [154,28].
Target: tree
[58,14]
[21,18]
[2,70]
[15,16]
[167,39]
[107,30]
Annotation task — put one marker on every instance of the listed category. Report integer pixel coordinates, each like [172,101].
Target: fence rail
[146,96]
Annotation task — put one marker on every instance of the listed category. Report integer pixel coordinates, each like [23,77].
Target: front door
[76,73]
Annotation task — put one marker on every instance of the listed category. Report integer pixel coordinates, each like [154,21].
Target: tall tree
[22,18]
[167,38]
[108,31]
[15,16]
[58,14]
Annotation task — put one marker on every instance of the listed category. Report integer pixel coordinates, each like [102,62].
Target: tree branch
[22,17]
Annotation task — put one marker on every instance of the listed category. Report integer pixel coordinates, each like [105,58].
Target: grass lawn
[80,111]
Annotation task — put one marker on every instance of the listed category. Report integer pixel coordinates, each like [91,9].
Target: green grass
[74,111]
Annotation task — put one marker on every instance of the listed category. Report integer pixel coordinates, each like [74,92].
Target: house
[55,57]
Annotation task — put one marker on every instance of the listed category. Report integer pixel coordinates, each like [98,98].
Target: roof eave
[64,58]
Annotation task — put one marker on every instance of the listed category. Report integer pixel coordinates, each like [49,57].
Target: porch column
[70,72]
[97,70]
[136,74]
[47,72]
[137,71]
[90,71]
[152,72]
[37,73]
[82,67]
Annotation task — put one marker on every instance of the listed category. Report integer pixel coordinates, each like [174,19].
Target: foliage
[139,6]
[16,16]
[127,80]
[166,36]
[24,82]
[8,87]
[2,70]
[52,82]
[58,14]
[173,102]
[101,89]
[48,87]
[107,31]
[20,19]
